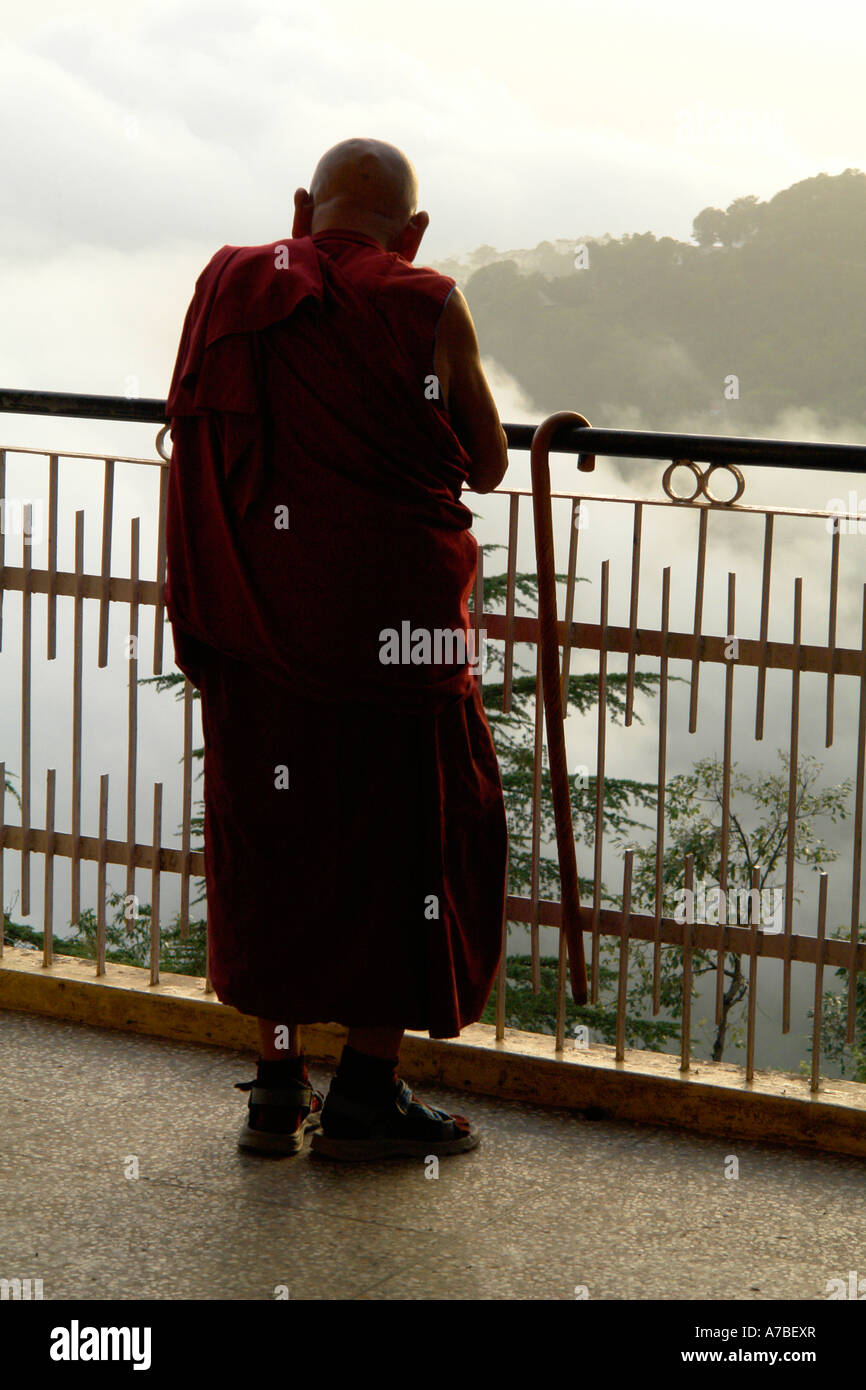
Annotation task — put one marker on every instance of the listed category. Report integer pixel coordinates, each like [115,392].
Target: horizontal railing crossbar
[704,935]
[569,439]
[64,583]
[62,845]
[842,661]
[681,646]
[71,405]
[641,926]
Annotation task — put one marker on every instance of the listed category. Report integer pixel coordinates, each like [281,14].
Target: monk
[327,407]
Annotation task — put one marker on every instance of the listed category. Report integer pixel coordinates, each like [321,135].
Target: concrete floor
[548,1202]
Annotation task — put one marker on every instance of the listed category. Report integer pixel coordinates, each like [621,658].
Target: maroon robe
[355,839]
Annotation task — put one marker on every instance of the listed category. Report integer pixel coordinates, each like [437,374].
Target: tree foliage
[758,840]
[649,331]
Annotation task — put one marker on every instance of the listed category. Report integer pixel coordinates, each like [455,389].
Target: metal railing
[659,643]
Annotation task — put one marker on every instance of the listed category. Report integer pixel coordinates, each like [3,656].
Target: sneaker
[279,1117]
[395,1125]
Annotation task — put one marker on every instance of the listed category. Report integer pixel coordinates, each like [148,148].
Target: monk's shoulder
[251,287]
[421,281]
[248,262]
[455,334]
[216,266]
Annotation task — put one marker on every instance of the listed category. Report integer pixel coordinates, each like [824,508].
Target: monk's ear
[410,238]
[303,223]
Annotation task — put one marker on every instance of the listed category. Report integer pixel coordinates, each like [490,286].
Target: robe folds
[355,838]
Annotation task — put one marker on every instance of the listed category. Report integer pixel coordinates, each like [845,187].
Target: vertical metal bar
[792,807]
[754,892]
[51,600]
[208,984]
[105,570]
[510,593]
[48,888]
[154,883]
[858,836]
[502,972]
[726,801]
[765,620]
[686,1037]
[622,982]
[662,787]
[26,636]
[831,631]
[158,622]
[599,777]
[569,600]
[77,710]
[537,769]
[100,875]
[187,808]
[132,709]
[699,607]
[478,616]
[561,981]
[632,621]
[819,982]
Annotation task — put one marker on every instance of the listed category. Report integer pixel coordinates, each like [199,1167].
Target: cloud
[199,121]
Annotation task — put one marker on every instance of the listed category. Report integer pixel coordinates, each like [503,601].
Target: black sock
[271,1073]
[361,1073]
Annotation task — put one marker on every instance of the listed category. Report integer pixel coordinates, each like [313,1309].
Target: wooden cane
[552,689]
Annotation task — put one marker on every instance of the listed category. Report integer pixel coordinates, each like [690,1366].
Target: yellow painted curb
[648,1087]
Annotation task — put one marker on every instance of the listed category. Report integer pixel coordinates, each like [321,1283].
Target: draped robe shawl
[293,403]
[370,888]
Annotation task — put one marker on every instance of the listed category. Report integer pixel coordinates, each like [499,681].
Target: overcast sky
[138,138]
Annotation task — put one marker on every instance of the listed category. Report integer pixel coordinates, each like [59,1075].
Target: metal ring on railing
[702,479]
[160,438]
[666,479]
[740,480]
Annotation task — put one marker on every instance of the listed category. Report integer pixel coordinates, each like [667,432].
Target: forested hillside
[651,330]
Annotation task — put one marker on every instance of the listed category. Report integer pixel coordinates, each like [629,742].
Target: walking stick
[552,691]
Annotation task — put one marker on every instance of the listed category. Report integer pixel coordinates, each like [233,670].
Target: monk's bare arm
[457,362]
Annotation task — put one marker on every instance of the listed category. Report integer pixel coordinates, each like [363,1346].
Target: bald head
[368,176]
[367,186]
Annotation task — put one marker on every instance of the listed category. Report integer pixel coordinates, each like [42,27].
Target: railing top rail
[569,439]
[138,410]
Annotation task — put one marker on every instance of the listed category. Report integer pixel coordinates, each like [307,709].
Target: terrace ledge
[647,1088]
